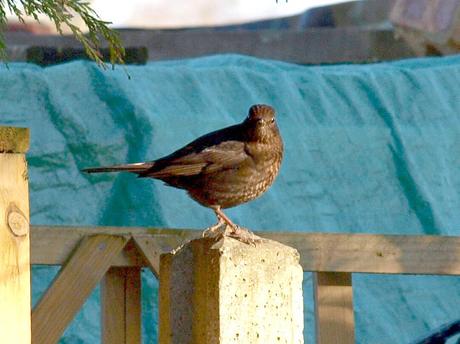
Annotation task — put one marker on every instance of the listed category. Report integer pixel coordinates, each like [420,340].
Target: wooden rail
[116,254]
[331,252]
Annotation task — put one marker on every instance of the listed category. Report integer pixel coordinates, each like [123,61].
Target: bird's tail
[135,168]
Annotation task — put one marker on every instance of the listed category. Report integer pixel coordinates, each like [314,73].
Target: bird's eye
[272,120]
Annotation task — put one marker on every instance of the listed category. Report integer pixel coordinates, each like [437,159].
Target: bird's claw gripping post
[244,235]
[226,228]
[221,230]
[214,230]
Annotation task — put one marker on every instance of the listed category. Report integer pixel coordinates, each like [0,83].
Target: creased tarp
[369,149]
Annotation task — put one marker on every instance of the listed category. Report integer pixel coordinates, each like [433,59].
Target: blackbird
[221,169]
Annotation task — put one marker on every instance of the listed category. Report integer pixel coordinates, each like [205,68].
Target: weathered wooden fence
[115,256]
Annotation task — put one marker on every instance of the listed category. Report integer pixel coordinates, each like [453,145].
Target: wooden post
[14,237]
[333,308]
[121,306]
[230,292]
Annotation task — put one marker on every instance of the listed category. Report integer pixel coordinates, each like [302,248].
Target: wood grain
[51,245]
[367,253]
[121,306]
[14,250]
[333,298]
[150,250]
[73,285]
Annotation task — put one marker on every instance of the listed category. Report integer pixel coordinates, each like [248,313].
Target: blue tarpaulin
[369,149]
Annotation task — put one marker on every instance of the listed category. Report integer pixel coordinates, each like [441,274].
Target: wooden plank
[133,308]
[334,252]
[113,306]
[14,250]
[150,250]
[333,298]
[14,140]
[164,299]
[390,254]
[73,285]
[51,245]
[121,306]
[65,240]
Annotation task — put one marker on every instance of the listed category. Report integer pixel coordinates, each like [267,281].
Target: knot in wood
[17,223]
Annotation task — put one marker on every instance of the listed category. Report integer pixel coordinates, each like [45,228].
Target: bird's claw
[219,231]
[244,235]
[213,231]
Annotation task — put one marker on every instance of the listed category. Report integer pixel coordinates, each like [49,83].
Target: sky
[190,13]
[186,13]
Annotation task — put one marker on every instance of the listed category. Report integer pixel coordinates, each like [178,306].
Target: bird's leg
[230,230]
[242,234]
[213,230]
[222,217]
[223,227]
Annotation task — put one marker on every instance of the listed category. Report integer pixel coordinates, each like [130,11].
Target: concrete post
[230,292]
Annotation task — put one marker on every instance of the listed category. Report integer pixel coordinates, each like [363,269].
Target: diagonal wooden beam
[150,249]
[73,285]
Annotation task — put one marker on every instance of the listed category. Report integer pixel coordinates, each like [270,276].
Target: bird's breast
[241,183]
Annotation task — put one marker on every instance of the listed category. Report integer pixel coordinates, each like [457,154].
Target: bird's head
[261,123]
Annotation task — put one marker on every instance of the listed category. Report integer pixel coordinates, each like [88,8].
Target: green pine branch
[62,13]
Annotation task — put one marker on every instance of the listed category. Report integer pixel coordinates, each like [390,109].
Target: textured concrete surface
[230,292]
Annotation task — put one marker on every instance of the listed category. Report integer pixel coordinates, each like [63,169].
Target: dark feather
[211,152]
[136,168]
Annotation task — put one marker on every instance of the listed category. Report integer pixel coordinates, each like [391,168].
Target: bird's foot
[214,231]
[221,230]
[242,234]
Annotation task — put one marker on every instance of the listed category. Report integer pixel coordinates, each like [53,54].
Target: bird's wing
[224,155]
